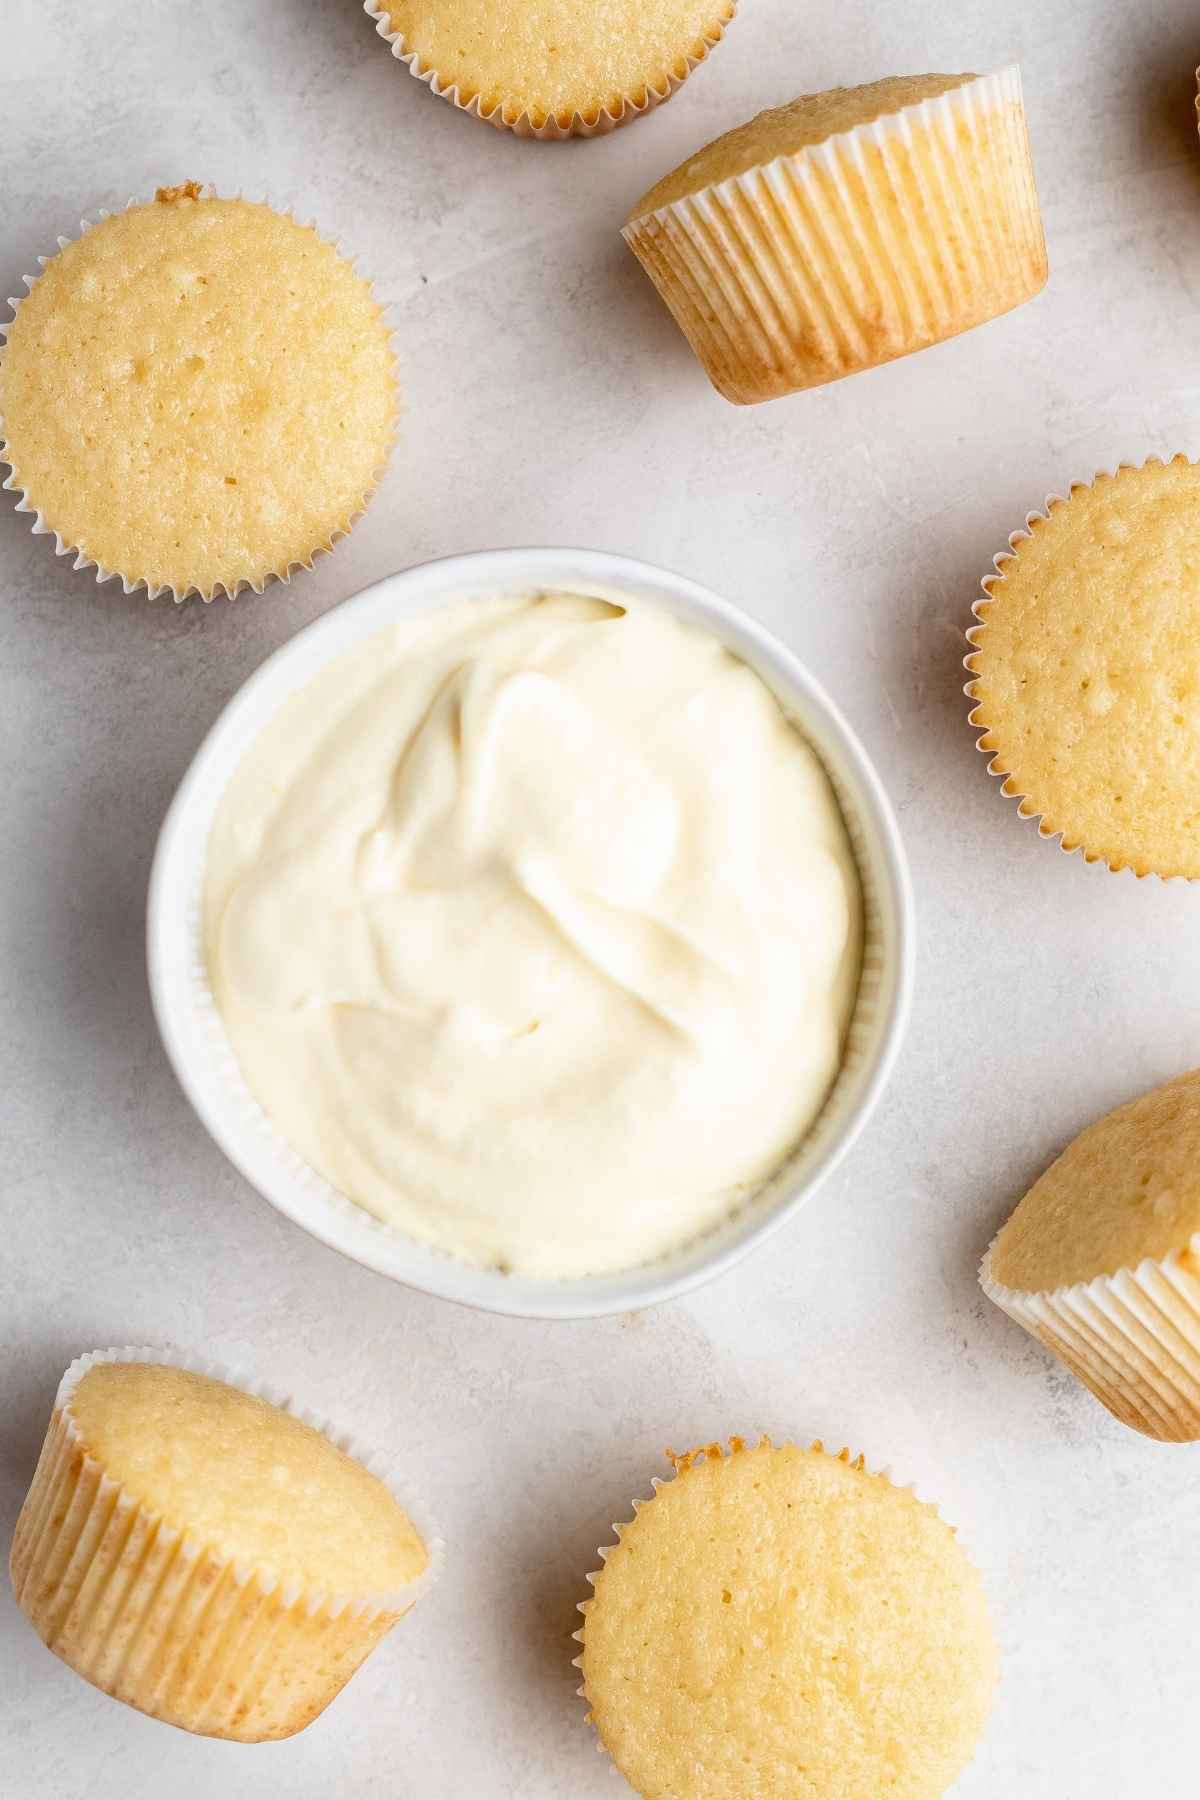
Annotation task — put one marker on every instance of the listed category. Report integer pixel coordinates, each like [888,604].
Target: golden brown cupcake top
[784,130]
[1127,1188]
[197,393]
[559,58]
[1086,669]
[778,1621]
[246,1479]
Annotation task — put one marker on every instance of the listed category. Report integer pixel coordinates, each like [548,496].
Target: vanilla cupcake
[780,1614]
[196,395]
[846,229]
[1101,1260]
[556,69]
[1086,669]
[217,1561]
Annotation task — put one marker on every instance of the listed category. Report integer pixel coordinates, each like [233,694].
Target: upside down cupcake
[778,1621]
[555,69]
[216,1561]
[1086,669]
[196,395]
[846,229]
[1101,1260]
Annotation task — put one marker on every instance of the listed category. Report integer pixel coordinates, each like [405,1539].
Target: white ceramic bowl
[195,1039]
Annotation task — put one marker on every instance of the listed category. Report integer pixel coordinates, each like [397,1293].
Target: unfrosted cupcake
[553,69]
[196,395]
[1086,669]
[1101,1260]
[213,1559]
[777,1615]
[846,229]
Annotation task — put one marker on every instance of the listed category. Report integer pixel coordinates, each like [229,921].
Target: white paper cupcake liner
[990,584]
[1133,1338]
[160,1620]
[552,129]
[791,274]
[732,1447]
[154,591]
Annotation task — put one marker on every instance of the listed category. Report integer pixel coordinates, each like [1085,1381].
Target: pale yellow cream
[534,926]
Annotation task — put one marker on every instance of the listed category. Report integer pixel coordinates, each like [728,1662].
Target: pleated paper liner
[167,1624]
[714,1452]
[552,127]
[1048,825]
[879,241]
[1133,1338]
[27,502]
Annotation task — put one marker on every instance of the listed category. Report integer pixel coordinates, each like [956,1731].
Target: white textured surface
[550,399]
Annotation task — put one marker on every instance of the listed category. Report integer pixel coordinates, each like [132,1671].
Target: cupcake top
[197,393]
[780,1614]
[557,59]
[784,130]
[1128,1188]
[1086,669]
[246,1479]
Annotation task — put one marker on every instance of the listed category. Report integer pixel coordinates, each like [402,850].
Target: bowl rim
[421,588]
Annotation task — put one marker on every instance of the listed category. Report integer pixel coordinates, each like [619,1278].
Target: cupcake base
[1133,1338]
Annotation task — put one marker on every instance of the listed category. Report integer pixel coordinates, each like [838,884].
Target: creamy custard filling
[534,927]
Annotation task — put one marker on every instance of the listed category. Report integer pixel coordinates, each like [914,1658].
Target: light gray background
[549,400]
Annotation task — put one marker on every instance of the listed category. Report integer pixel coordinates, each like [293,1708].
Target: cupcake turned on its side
[196,395]
[1086,669]
[203,1555]
[779,1615]
[1101,1260]
[557,69]
[846,229]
